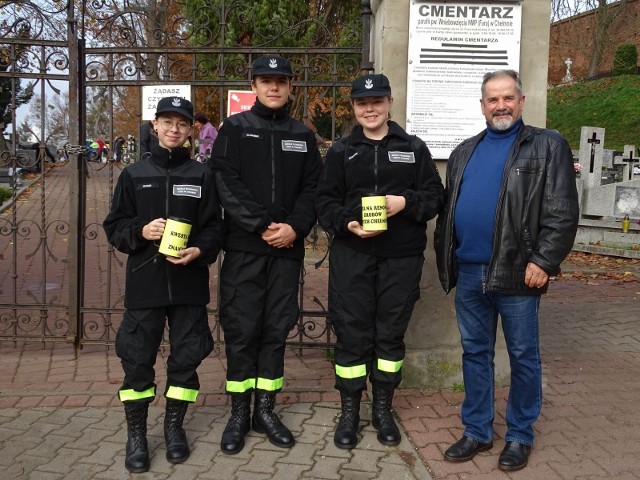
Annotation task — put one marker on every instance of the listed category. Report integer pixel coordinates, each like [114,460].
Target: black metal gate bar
[73,292]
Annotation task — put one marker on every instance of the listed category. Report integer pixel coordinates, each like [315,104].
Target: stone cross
[594,142]
[568,78]
[628,159]
[591,152]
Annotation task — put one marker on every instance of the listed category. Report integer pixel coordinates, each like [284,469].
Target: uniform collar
[169,158]
[268,113]
[395,130]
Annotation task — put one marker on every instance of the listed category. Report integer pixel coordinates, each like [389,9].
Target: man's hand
[187,255]
[279,235]
[355,228]
[534,276]
[395,204]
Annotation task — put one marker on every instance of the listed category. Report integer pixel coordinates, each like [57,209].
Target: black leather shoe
[465,449]
[174,435]
[346,435]
[514,456]
[264,420]
[382,418]
[238,425]
[137,450]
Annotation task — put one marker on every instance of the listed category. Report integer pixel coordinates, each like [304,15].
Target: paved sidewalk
[60,418]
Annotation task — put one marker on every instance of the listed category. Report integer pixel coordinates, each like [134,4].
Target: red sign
[239,101]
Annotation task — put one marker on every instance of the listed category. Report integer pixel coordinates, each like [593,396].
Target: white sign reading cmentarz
[451,46]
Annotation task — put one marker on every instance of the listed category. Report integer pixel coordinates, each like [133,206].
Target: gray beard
[502,124]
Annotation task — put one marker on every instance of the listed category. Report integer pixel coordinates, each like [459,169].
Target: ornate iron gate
[82,67]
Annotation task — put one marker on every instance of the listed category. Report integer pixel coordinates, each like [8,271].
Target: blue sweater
[478,199]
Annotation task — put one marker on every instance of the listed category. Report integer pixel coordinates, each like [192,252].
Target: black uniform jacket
[537,214]
[165,184]
[266,166]
[400,164]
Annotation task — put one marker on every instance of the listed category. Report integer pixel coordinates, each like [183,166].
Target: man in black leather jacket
[510,219]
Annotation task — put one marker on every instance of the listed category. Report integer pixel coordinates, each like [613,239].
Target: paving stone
[64,461]
[229,463]
[363,461]
[300,454]
[326,468]
[37,475]
[316,434]
[290,471]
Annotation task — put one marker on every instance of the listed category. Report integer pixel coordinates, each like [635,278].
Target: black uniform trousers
[371,300]
[258,308]
[137,343]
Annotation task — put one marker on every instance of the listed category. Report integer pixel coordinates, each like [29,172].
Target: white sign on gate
[151,95]
[451,46]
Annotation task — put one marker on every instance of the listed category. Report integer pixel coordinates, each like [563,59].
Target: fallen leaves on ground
[595,260]
[589,267]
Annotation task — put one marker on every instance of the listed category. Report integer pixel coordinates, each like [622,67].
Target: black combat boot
[174,436]
[265,421]
[137,451]
[382,418]
[346,436]
[238,425]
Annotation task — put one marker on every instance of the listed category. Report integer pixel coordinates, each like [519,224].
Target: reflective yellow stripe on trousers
[240,387]
[389,366]
[351,372]
[184,394]
[132,395]
[269,385]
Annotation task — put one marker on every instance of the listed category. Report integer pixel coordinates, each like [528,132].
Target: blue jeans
[477,312]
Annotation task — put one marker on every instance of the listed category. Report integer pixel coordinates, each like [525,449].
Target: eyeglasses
[166,125]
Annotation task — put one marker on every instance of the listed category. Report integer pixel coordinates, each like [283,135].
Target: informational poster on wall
[451,46]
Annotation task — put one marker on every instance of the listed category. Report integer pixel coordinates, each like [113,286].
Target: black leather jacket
[537,214]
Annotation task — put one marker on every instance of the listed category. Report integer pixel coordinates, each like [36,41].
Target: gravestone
[7,178]
[24,159]
[591,151]
[607,157]
[627,201]
[628,159]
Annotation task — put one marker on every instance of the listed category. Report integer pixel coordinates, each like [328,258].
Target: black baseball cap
[371,85]
[178,105]
[271,65]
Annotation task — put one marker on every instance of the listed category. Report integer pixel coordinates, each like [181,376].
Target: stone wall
[573,38]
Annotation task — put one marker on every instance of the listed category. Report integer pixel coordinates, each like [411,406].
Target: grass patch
[458,387]
[5,194]
[610,103]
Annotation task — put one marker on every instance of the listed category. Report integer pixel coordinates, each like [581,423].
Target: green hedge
[625,60]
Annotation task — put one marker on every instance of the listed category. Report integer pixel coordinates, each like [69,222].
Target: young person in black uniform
[374,276]
[167,183]
[266,166]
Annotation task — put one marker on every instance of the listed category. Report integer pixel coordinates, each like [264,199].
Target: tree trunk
[603,18]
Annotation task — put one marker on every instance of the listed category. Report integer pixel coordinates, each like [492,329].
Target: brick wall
[573,38]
